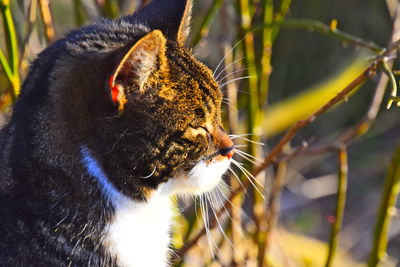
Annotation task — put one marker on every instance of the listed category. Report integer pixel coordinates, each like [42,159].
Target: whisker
[236,79]
[218,204]
[227,54]
[227,101]
[220,226]
[233,136]
[238,179]
[230,64]
[219,200]
[227,187]
[238,91]
[240,210]
[206,226]
[230,74]
[254,142]
[245,157]
[248,155]
[148,176]
[236,146]
[249,176]
[242,136]
[215,205]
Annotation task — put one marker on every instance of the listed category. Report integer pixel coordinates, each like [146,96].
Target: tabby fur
[111,120]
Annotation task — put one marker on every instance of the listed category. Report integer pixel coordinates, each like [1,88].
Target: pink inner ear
[114,89]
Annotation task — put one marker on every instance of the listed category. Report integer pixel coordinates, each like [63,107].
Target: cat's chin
[203,177]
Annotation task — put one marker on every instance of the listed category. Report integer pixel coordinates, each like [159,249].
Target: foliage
[255,40]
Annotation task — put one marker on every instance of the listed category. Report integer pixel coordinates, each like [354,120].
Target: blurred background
[277,62]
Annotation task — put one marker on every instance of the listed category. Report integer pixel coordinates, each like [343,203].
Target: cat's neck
[138,233]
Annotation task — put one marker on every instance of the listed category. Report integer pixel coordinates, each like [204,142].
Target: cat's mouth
[203,176]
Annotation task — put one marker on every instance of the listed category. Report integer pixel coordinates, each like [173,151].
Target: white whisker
[249,176]
[220,226]
[242,153]
[254,142]
[230,74]
[246,158]
[227,54]
[222,71]
[234,80]
[233,205]
[218,204]
[233,136]
[206,226]
[238,179]
[242,136]
[148,176]
[236,146]
[227,101]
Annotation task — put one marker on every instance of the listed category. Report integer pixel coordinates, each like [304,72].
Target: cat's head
[161,118]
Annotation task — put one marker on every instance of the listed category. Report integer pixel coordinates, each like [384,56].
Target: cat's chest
[139,233]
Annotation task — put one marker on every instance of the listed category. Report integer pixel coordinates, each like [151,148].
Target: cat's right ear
[136,66]
[172,17]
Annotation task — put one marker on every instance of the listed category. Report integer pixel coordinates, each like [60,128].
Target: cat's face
[149,110]
[171,105]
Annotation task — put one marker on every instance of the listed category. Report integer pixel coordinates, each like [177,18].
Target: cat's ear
[142,59]
[172,17]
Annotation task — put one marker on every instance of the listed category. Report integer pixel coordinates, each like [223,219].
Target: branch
[277,150]
[273,211]
[386,210]
[365,123]
[12,49]
[317,26]
[206,23]
[45,12]
[340,204]
[391,186]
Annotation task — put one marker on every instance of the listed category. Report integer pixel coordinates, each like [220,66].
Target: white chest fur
[139,233]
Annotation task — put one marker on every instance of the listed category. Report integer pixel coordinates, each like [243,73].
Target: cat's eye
[209,136]
[199,113]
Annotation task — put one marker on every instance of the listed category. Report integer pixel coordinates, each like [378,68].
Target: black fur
[51,210]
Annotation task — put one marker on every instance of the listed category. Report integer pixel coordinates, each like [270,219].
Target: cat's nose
[225,145]
[227,151]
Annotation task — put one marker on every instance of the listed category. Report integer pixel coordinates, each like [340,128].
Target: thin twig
[273,212]
[317,26]
[45,12]
[246,10]
[392,182]
[387,70]
[386,210]
[301,124]
[110,8]
[277,150]
[79,12]
[280,16]
[31,20]
[12,48]
[206,23]
[366,122]
[265,62]
[5,65]
[340,204]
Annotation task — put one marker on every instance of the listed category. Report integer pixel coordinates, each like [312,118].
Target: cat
[111,121]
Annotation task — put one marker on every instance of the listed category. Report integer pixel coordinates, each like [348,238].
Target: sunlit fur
[202,178]
[148,221]
[111,120]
